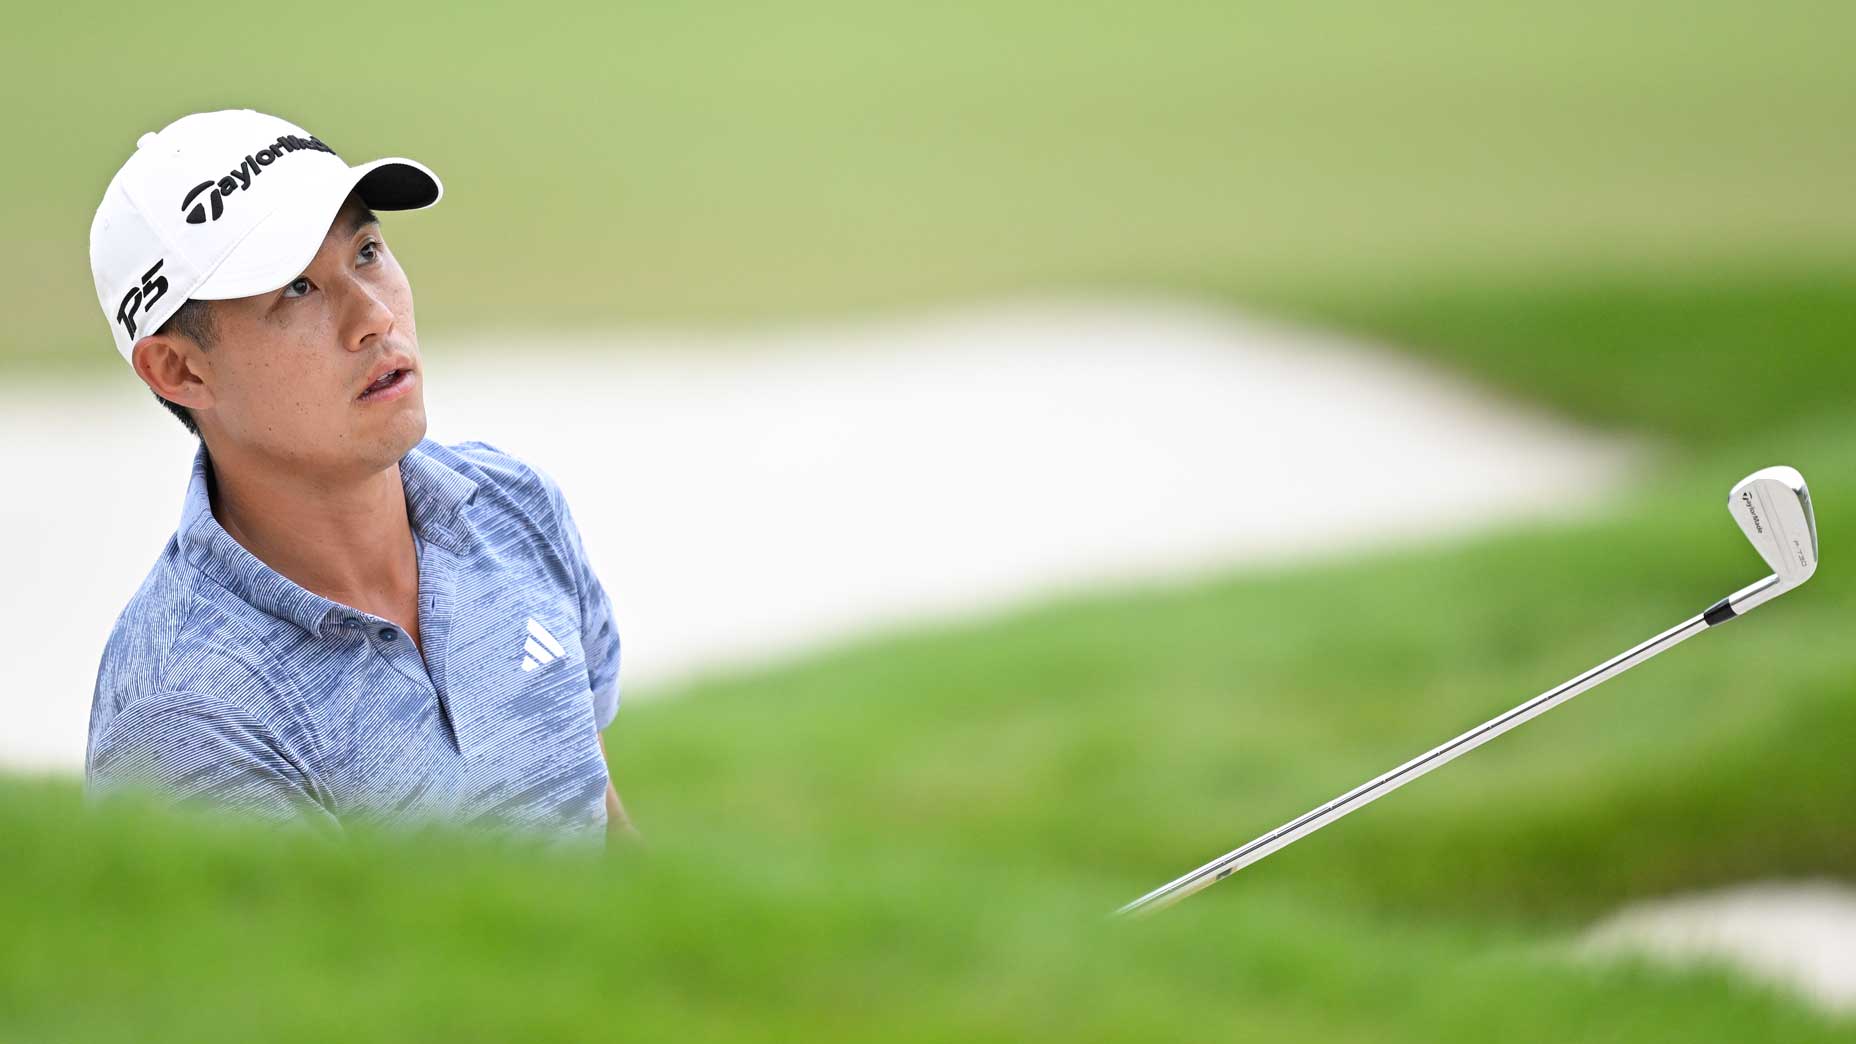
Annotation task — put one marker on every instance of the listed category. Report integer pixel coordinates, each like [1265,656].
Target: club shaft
[1379,787]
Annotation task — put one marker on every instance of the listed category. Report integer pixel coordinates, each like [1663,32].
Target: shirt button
[350,621]
[388,634]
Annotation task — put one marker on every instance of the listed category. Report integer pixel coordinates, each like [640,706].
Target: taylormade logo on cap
[197,213]
[241,176]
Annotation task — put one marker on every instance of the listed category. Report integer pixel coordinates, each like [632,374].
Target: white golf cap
[226,204]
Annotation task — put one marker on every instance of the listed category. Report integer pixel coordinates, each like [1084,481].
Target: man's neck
[346,538]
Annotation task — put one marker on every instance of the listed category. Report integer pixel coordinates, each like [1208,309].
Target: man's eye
[370,250]
[298,287]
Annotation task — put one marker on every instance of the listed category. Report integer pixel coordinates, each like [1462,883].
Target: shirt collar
[435,493]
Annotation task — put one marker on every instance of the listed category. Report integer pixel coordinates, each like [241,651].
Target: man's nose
[367,317]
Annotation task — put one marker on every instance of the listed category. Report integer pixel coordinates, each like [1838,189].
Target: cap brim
[280,246]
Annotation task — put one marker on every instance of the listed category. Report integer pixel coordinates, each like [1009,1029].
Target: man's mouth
[387,382]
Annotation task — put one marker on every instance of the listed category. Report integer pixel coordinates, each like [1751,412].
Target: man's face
[292,372]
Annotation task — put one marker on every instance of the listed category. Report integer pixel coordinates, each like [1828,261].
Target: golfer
[351,624]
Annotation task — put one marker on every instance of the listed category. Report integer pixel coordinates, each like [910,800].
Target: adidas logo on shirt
[540,647]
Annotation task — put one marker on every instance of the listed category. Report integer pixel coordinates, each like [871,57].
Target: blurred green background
[710,161]
[1632,213]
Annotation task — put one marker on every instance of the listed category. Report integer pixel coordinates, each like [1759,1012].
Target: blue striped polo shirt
[226,684]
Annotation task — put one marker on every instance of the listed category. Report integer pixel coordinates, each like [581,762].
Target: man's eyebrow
[358,220]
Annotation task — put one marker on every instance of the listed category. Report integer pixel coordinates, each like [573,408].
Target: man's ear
[175,368]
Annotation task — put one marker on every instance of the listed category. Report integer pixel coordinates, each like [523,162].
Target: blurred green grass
[205,934]
[730,161]
[1737,354]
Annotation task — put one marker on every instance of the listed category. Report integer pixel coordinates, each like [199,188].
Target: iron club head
[1773,507]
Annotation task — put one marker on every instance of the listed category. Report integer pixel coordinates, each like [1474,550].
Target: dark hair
[193,321]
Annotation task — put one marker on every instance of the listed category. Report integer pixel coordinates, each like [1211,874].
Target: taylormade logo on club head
[1752,510]
[240,177]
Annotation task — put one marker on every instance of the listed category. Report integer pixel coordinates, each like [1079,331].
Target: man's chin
[407,430]
[392,437]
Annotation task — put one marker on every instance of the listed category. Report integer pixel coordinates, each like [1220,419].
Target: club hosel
[1744,600]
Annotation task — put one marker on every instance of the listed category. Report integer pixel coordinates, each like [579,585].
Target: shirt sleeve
[198,751]
[599,635]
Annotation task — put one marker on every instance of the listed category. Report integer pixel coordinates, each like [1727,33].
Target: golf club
[1773,508]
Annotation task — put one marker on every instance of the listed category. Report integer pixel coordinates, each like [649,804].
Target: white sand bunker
[754,494]
[1800,937]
